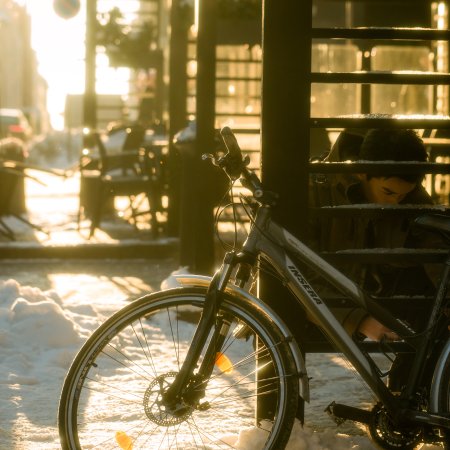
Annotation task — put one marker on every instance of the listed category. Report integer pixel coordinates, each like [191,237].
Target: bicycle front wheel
[112,394]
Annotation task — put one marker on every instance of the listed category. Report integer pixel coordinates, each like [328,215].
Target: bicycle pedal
[330,412]
[340,413]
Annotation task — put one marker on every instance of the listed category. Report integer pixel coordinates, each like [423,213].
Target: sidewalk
[53,206]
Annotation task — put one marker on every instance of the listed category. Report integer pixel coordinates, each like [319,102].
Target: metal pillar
[285,129]
[90,101]
[206,108]
[177,108]
[197,221]
[285,114]
[366,89]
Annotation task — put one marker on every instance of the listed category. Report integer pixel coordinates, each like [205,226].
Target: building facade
[21,86]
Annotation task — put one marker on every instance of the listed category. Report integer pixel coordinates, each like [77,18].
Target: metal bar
[238,60]
[238,78]
[233,114]
[323,346]
[366,66]
[416,34]
[437,142]
[389,2]
[382,77]
[378,255]
[412,300]
[376,210]
[246,131]
[386,168]
[364,121]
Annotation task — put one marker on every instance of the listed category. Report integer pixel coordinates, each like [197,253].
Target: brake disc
[154,407]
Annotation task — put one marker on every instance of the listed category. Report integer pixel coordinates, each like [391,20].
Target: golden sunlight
[59,47]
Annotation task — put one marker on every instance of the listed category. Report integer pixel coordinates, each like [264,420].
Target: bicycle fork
[176,395]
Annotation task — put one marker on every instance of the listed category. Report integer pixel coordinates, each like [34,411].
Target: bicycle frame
[277,245]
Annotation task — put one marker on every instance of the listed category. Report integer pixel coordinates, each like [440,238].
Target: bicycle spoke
[139,396]
[149,357]
[115,397]
[210,439]
[128,359]
[122,383]
[173,339]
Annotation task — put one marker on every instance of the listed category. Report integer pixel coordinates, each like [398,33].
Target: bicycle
[231,354]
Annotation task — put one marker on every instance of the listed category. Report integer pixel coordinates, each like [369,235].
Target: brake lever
[210,156]
[229,165]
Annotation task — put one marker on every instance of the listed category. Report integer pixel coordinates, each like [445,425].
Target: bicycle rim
[444,389]
[112,394]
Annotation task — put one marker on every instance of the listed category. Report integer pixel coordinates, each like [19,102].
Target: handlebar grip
[230,142]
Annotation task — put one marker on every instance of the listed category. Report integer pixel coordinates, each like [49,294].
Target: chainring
[388,436]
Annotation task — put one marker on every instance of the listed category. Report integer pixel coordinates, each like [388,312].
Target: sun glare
[59,46]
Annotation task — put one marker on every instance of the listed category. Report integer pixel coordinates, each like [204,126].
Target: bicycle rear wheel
[111,395]
[443,396]
[444,389]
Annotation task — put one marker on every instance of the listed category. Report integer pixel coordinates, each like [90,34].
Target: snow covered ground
[43,325]
[44,318]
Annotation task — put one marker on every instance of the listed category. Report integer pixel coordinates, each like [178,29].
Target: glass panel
[239,90]
[402,99]
[334,99]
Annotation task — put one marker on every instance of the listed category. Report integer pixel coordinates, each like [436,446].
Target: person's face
[383,190]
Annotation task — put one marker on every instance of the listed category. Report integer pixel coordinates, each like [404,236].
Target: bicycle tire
[444,389]
[443,396]
[110,394]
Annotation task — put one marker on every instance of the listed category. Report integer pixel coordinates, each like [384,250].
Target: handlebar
[233,163]
[235,166]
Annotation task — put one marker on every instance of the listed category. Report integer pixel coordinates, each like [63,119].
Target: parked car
[12,182]
[13,123]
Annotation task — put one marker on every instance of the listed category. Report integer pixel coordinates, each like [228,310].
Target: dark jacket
[356,231]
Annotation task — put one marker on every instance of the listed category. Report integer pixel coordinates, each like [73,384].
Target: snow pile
[36,334]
